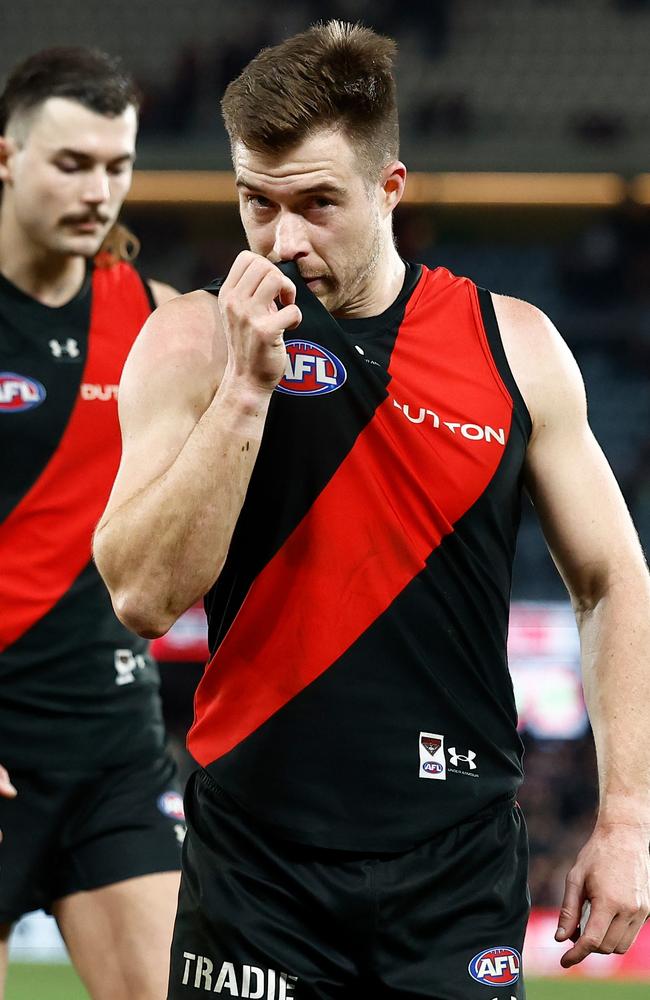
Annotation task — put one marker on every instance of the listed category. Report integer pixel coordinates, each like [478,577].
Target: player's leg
[5,931]
[259,917]
[29,848]
[116,889]
[118,937]
[453,913]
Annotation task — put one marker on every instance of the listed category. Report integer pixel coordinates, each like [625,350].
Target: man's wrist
[624,810]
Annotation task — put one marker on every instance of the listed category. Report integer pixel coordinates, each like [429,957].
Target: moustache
[76,220]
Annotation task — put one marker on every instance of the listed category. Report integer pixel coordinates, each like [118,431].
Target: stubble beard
[353,284]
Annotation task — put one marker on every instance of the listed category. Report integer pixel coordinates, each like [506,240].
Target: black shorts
[261,917]
[68,832]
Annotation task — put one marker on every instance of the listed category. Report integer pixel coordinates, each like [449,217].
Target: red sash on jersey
[45,542]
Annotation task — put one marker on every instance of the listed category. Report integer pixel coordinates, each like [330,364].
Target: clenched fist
[257,304]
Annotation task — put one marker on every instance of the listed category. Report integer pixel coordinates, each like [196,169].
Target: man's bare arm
[595,547]
[193,402]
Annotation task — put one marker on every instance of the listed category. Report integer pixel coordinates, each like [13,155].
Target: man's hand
[7,790]
[257,304]
[612,872]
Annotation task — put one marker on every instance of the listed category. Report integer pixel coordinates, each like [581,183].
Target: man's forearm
[615,640]
[164,547]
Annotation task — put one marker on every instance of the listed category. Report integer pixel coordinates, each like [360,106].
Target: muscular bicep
[578,501]
[168,382]
[581,510]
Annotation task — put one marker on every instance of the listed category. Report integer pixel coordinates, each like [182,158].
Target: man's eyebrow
[77,154]
[326,187]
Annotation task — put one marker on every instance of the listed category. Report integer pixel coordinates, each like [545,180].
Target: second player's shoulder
[542,364]
[162,292]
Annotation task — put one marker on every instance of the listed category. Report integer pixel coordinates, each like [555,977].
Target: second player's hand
[254,322]
[612,871]
[7,790]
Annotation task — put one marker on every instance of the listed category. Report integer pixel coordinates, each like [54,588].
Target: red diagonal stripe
[369,533]
[45,541]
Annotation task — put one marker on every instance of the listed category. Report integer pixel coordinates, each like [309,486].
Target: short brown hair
[335,75]
[88,76]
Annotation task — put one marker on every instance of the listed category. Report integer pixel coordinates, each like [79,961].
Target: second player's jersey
[77,689]
[358,694]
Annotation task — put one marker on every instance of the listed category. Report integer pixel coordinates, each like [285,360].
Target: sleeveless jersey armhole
[495,344]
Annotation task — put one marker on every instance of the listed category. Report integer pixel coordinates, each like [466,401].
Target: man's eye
[257,201]
[67,166]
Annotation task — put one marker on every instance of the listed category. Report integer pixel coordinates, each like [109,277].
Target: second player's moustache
[85,218]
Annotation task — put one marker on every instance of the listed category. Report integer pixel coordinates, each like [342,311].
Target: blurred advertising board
[544,658]
[542,954]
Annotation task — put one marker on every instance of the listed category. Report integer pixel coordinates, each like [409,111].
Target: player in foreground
[334,451]
[93,834]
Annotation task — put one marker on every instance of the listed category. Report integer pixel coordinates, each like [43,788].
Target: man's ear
[7,149]
[392,183]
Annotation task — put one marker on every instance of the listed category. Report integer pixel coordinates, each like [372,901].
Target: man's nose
[290,237]
[96,189]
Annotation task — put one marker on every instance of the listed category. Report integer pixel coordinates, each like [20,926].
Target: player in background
[93,833]
[334,450]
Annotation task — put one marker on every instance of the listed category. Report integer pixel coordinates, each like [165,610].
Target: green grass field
[58,982]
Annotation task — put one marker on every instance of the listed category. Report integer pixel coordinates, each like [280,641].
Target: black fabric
[60,692]
[69,831]
[493,334]
[319,924]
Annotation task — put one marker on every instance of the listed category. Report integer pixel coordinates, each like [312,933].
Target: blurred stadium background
[527,123]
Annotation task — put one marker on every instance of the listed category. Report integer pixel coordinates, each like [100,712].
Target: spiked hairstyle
[335,75]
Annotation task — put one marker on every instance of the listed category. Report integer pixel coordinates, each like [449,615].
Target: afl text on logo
[19,392]
[311,370]
[496,967]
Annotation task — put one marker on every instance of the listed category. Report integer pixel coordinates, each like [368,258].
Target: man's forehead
[61,122]
[325,159]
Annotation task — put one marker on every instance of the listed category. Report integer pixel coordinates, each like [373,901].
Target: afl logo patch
[171,804]
[18,393]
[496,967]
[310,370]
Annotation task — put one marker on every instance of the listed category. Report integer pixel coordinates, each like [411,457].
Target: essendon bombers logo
[310,370]
[18,393]
[431,745]
[432,756]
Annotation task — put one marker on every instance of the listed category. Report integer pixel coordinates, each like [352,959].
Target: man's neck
[384,285]
[49,277]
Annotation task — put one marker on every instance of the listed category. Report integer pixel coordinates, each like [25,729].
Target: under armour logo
[71,348]
[467,758]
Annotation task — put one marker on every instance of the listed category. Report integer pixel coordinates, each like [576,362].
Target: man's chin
[80,245]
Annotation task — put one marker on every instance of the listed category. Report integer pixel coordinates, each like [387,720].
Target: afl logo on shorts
[18,393]
[171,804]
[496,967]
[310,370]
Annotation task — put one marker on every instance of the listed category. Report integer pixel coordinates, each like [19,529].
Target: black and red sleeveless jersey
[76,688]
[358,694]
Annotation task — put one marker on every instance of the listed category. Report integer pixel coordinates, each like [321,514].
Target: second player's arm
[596,549]
[193,402]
